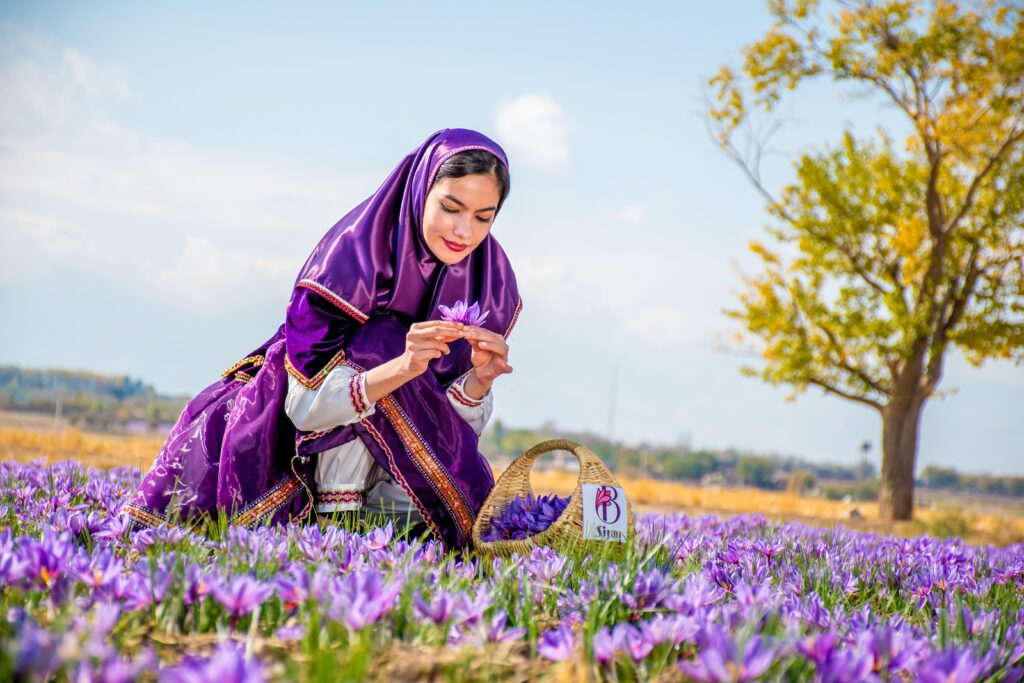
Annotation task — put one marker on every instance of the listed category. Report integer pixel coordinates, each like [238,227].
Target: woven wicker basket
[568,528]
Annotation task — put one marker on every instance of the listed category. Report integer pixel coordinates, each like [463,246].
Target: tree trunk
[900,422]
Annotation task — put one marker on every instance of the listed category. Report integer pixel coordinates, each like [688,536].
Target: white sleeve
[339,400]
[475,411]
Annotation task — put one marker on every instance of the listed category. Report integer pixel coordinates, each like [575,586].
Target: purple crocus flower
[379,538]
[637,643]
[461,312]
[227,665]
[35,653]
[200,582]
[556,644]
[362,598]
[441,608]
[605,644]
[101,571]
[241,595]
[649,590]
[524,517]
[720,660]
[494,630]
[954,666]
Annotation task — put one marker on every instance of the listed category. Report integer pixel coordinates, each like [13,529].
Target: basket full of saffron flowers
[514,520]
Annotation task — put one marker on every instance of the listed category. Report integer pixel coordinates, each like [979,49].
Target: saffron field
[693,598]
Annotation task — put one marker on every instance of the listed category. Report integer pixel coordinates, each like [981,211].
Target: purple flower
[379,538]
[637,643]
[460,312]
[719,659]
[524,517]
[605,644]
[227,665]
[101,571]
[35,653]
[362,598]
[199,583]
[442,607]
[953,666]
[556,644]
[488,631]
[649,590]
[241,595]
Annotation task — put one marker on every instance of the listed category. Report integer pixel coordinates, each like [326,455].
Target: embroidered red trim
[338,497]
[515,318]
[334,299]
[355,395]
[458,392]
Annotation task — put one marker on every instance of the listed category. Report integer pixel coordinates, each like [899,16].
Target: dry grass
[105,450]
[96,450]
[664,496]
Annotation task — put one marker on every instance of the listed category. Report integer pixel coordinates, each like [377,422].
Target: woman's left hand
[490,353]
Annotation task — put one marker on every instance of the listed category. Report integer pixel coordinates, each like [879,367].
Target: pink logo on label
[605,498]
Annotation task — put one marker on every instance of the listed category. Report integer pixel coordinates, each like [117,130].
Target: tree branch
[993,161]
[957,300]
[845,364]
[845,394]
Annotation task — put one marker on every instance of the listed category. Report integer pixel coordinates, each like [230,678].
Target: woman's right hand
[426,341]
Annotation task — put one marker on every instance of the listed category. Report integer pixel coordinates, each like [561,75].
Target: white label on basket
[604,512]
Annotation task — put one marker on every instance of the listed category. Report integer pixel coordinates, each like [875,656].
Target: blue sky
[165,169]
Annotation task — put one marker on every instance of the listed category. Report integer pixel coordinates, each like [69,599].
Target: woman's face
[458,213]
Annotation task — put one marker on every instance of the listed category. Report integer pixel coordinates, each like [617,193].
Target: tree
[887,254]
[800,482]
[755,471]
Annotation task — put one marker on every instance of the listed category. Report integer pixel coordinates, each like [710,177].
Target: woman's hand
[426,341]
[489,355]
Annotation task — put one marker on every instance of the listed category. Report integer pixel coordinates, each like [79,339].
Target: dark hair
[476,162]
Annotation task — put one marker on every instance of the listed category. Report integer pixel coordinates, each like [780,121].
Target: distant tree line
[935,477]
[732,467]
[88,400]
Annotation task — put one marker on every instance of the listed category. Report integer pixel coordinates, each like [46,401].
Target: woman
[363,368]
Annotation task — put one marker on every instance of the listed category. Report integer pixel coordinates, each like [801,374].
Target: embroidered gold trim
[334,299]
[143,516]
[427,517]
[267,503]
[450,495]
[317,379]
[256,361]
[243,376]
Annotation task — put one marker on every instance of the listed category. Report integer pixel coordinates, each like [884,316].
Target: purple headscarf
[376,260]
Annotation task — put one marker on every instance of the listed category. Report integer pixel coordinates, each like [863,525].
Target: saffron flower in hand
[461,312]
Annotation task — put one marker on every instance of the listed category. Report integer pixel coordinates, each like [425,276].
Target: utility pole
[58,407]
[611,400]
[865,448]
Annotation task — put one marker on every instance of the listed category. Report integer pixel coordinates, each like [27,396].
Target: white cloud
[536,127]
[634,214]
[660,297]
[204,271]
[53,235]
[78,185]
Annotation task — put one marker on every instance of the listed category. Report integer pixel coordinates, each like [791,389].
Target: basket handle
[522,465]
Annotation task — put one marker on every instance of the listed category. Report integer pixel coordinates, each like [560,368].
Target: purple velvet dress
[234,451]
